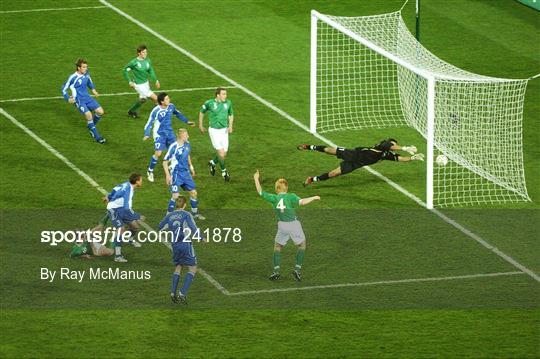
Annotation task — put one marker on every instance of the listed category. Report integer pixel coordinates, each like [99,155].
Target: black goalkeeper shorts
[349,166]
[346,154]
[350,160]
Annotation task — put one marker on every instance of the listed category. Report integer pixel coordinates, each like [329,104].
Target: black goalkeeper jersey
[365,156]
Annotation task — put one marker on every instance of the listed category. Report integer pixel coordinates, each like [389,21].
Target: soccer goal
[371,72]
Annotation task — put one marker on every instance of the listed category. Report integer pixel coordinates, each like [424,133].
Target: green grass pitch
[383,277]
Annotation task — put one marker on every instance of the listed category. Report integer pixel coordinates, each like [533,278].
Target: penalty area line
[93,183]
[382,282]
[273,107]
[114,94]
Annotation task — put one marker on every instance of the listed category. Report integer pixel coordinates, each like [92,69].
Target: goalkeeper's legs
[319,148]
[334,173]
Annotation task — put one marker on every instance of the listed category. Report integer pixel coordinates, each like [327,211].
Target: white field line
[206,275]
[383,282]
[327,141]
[113,94]
[92,182]
[52,9]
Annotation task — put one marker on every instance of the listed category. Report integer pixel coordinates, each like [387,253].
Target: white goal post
[371,72]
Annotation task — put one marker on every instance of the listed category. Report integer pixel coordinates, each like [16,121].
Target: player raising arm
[136,73]
[220,118]
[289,226]
[163,133]
[79,83]
[361,156]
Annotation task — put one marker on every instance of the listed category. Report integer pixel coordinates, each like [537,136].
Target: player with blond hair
[289,226]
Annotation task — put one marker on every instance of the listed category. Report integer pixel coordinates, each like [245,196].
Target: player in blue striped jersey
[185,231]
[78,84]
[179,172]
[119,206]
[162,132]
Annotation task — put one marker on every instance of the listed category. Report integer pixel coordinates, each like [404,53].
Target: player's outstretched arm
[415,157]
[308,200]
[410,149]
[256,178]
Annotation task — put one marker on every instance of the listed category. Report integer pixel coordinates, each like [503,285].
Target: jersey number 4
[281,206]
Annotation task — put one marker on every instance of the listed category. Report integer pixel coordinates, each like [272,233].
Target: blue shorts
[162,143]
[87,104]
[184,254]
[121,216]
[182,180]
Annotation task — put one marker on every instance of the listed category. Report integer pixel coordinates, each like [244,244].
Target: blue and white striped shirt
[79,85]
[121,196]
[161,119]
[178,155]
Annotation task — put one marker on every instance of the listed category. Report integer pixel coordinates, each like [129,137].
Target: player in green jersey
[136,73]
[220,118]
[86,248]
[289,227]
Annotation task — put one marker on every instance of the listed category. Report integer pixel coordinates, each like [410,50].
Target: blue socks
[96,118]
[93,130]
[194,204]
[175,280]
[153,162]
[172,204]
[187,282]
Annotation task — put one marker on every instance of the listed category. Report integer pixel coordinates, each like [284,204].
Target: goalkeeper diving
[361,156]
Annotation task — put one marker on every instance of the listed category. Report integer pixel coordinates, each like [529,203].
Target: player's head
[142,51]
[181,202]
[281,185]
[81,65]
[183,134]
[221,94]
[163,99]
[385,145]
[135,179]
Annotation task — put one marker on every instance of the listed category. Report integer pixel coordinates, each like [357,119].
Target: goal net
[371,72]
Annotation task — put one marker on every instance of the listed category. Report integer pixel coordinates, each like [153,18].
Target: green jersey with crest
[284,205]
[218,112]
[138,71]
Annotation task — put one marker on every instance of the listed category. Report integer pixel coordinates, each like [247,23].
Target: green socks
[277,261]
[221,162]
[299,259]
[135,106]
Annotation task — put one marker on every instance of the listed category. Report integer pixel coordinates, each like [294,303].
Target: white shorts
[290,230]
[219,138]
[144,90]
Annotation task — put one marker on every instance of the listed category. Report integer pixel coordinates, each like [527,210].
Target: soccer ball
[441,160]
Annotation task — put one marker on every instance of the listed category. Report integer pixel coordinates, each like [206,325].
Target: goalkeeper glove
[417,157]
[411,149]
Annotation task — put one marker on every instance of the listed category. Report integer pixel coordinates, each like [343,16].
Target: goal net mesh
[478,119]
